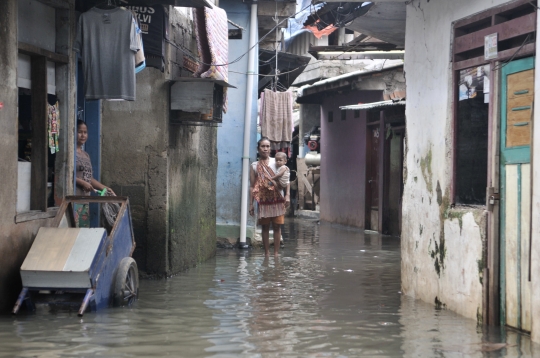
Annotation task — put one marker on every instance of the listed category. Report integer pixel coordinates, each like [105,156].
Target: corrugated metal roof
[373,105]
[392,64]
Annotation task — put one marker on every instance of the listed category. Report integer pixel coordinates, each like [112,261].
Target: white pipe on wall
[301,133]
[247,123]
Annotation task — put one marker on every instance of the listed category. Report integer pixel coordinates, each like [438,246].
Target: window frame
[472,30]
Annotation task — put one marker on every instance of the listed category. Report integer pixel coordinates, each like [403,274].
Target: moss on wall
[192,199]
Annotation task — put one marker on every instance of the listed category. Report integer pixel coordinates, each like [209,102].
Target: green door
[515,174]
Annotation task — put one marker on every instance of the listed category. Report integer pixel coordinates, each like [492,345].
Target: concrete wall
[135,143]
[192,195]
[16,238]
[231,132]
[168,172]
[343,158]
[442,247]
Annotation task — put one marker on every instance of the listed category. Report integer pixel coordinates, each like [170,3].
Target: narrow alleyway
[333,292]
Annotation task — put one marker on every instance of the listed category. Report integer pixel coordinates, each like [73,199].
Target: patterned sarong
[82,215]
[271,202]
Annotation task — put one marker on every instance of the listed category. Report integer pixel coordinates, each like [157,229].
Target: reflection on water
[332,292]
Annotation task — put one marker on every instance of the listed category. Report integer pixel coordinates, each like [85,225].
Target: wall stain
[438,254]
[479,317]
[439,304]
[452,214]
[425,165]
[439,193]
[481,265]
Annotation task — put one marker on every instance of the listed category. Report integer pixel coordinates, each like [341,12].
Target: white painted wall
[428,166]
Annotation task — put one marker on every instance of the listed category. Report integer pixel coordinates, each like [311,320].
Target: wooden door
[372,177]
[515,175]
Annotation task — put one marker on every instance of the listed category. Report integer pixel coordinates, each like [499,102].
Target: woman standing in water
[269,195]
[86,183]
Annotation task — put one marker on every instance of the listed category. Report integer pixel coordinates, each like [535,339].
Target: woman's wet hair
[80,123]
[261,140]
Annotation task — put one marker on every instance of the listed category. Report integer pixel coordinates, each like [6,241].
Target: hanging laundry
[53,127]
[107,42]
[212,33]
[154,25]
[140,63]
[275,118]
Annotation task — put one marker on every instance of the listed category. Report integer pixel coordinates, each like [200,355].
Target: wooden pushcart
[90,265]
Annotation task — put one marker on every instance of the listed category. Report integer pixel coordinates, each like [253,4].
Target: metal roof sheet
[373,105]
[363,72]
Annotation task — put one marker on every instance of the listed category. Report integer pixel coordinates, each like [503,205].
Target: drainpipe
[301,132]
[247,124]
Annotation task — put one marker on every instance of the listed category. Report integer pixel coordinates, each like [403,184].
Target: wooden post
[301,171]
[492,298]
[380,168]
[38,198]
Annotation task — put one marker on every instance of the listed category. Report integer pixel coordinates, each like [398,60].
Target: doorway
[372,173]
[90,113]
[384,169]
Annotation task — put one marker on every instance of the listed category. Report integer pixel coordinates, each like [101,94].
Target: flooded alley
[332,292]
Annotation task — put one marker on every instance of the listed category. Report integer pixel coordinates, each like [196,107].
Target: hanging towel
[276,118]
[212,33]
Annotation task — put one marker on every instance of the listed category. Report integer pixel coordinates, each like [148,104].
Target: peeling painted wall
[168,172]
[443,248]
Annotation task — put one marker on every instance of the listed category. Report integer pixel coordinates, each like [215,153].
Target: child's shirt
[284,179]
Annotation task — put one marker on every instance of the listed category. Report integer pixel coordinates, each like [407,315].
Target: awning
[374,105]
[382,20]
[368,78]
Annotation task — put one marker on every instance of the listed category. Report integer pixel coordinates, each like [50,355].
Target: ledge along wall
[168,171]
[16,236]
[231,132]
[443,248]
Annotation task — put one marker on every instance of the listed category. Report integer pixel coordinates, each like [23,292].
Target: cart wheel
[126,283]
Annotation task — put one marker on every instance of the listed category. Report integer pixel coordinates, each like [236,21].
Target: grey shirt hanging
[107,42]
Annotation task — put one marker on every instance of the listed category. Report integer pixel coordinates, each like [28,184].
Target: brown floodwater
[332,292]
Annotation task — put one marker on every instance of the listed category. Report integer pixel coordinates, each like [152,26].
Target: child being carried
[283,175]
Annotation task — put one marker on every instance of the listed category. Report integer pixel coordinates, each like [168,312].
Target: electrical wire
[188,53]
[502,64]
[297,68]
[267,61]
